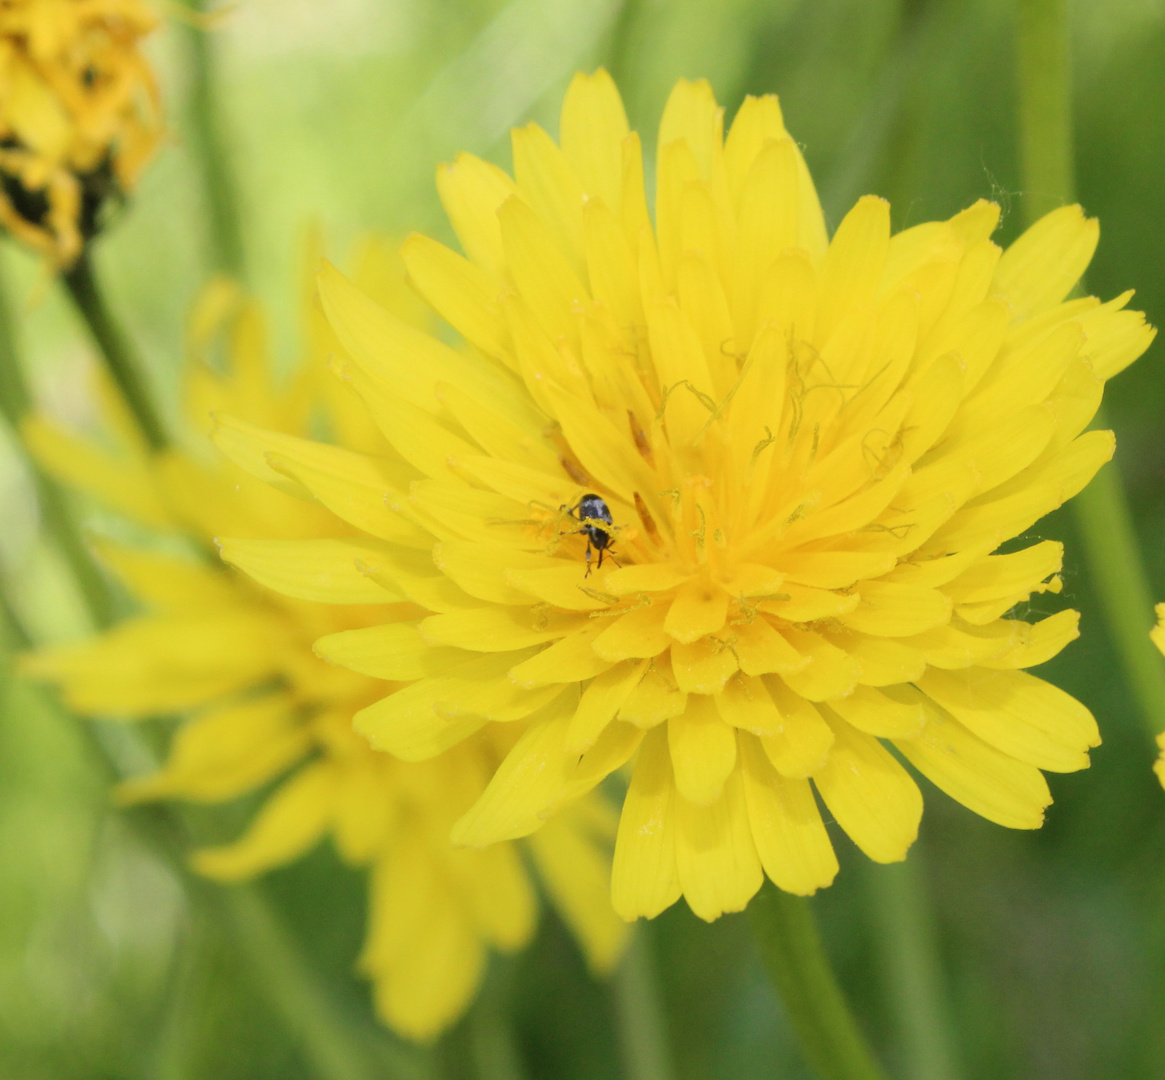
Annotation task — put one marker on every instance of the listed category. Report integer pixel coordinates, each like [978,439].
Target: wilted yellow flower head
[1158,636]
[261,707]
[79,116]
[715,495]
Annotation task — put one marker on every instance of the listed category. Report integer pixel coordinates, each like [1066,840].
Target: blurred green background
[335,113]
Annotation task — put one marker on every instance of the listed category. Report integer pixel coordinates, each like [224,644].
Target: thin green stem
[175,1050]
[792,951]
[206,138]
[335,1049]
[15,404]
[490,1028]
[866,145]
[1045,106]
[1102,509]
[13,633]
[119,355]
[912,972]
[618,50]
[1117,570]
[641,1019]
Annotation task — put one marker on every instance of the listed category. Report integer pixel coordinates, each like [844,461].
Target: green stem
[792,951]
[1102,509]
[641,1020]
[14,636]
[175,1051]
[909,960]
[881,114]
[1045,106]
[15,405]
[206,138]
[618,50]
[119,356]
[490,1028]
[1118,574]
[335,1049]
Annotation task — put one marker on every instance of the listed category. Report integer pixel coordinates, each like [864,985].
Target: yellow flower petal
[155,664]
[601,702]
[758,121]
[225,752]
[745,703]
[637,634]
[464,294]
[887,715]
[1041,267]
[893,610]
[965,645]
[791,840]
[880,661]
[715,854]
[322,570]
[471,192]
[568,660]
[1019,714]
[1115,338]
[654,699]
[495,629]
[423,953]
[577,874]
[644,877]
[124,484]
[407,723]
[699,609]
[854,263]
[993,784]
[542,273]
[393,651]
[703,750]
[704,666]
[1011,577]
[870,794]
[1040,643]
[290,822]
[547,182]
[760,650]
[593,128]
[168,581]
[831,673]
[528,780]
[502,899]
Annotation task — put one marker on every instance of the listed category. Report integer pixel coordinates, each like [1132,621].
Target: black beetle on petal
[588,510]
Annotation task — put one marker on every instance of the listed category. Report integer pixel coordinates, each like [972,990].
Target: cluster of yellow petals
[79,116]
[1158,636]
[811,450]
[261,709]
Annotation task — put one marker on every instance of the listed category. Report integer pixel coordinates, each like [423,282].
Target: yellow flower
[79,116]
[1158,636]
[262,707]
[717,494]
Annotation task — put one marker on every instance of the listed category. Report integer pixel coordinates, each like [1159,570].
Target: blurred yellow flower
[1158,636]
[263,708]
[716,493]
[79,116]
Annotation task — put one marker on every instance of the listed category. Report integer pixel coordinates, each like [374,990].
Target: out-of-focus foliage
[1054,942]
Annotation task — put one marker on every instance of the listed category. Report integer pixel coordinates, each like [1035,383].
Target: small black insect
[588,510]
